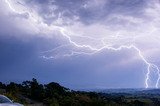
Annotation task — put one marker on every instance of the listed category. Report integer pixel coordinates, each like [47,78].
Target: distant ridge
[131,91]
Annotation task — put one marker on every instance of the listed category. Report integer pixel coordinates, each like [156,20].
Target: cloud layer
[95,23]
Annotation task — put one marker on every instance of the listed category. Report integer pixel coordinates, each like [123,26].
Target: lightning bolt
[93,50]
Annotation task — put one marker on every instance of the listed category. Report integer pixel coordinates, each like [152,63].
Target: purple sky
[81,44]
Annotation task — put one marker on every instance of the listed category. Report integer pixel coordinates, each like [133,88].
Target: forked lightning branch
[34,19]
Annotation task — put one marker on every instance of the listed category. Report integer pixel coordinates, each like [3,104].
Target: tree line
[53,94]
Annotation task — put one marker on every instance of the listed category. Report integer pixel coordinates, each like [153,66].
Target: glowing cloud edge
[95,50]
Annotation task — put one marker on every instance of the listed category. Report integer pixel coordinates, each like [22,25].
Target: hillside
[52,94]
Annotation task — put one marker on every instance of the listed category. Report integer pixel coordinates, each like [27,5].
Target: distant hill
[132,91]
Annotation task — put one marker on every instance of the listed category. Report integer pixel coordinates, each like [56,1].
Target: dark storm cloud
[88,11]
[20,56]
[20,61]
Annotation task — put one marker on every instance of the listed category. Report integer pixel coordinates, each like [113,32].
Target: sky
[81,44]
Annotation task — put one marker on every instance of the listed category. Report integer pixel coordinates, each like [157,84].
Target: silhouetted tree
[2,86]
[54,90]
[13,88]
[37,90]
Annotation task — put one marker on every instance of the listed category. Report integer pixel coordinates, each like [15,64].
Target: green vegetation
[53,94]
